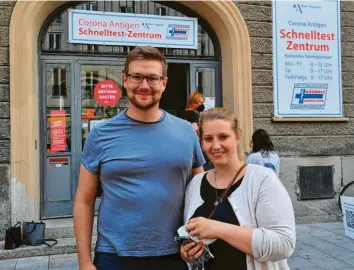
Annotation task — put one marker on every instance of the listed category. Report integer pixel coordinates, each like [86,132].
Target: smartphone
[181,239]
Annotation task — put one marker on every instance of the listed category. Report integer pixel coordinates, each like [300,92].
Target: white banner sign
[108,28]
[348,215]
[307,59]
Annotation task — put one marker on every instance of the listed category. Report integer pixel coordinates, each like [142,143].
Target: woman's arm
[275,237]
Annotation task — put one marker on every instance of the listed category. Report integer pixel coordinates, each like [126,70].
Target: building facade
[40,73]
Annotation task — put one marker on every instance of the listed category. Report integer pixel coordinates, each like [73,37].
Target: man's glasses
[138,78]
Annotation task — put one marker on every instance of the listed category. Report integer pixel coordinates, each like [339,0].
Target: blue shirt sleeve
[92,153]
[198,157]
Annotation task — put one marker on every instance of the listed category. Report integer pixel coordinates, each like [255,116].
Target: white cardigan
[260,202]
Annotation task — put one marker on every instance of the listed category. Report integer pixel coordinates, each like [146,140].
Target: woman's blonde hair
[219,114]
[195,97]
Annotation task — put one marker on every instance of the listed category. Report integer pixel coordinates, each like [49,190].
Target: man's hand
[203,228]
[190,250]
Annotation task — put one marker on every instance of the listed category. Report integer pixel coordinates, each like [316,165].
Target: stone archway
[26,21]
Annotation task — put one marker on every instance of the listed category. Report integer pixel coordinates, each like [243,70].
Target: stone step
[64,246]
[63,228]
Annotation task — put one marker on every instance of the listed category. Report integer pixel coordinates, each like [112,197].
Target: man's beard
[139,105]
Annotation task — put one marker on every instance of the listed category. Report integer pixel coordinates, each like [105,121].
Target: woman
[253,221]
[194,107]
[263,151]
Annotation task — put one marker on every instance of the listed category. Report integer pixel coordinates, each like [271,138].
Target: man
[144,158]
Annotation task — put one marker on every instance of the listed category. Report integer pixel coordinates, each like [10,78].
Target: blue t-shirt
[144,169]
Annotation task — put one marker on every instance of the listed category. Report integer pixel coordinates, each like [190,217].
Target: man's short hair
[145,53]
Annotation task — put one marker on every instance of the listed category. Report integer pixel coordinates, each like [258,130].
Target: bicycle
[347,190]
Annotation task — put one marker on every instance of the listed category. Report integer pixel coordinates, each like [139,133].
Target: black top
[226,256]
[190,116]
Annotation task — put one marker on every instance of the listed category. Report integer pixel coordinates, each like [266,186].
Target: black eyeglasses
[151,79]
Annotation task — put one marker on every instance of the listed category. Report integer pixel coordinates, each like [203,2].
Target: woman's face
[219,141]
[198,103]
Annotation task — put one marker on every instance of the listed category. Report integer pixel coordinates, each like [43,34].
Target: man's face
[144,95]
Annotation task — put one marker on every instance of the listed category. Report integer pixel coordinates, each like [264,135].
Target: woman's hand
[190,250]
[203,228]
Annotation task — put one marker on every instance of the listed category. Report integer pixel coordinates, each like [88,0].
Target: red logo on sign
[107,93]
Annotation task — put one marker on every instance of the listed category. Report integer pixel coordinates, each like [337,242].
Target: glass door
[102,97]
[57,185]
[205,79]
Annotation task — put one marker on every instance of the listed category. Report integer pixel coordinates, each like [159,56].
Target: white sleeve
[274,238]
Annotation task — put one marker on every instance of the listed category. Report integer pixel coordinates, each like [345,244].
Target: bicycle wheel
[347,190]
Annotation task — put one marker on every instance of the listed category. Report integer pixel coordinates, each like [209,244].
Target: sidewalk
[318,247]
[322,246]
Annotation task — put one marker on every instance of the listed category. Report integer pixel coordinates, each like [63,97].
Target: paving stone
[339,232]
[349,260]
[299,263]
[64,261]
[311,253]
[8,264]
[330,226]
[327,263]
[33,263]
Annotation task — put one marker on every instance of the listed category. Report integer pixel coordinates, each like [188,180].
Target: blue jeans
[111,261]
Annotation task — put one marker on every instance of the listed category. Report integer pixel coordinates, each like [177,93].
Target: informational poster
[348,215]
[110,28]
[58,131]
[307,59]
[209,103]
[107,93]
[89,113]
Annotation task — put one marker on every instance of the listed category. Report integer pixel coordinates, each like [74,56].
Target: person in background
[194,107]
[144,158]
[263,151]
[242,211]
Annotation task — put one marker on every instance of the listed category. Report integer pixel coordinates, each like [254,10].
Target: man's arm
[197,170]
[83,216]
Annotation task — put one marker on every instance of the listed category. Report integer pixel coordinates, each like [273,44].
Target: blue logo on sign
[309,96]
[303,96]
[175,31]
[297,8]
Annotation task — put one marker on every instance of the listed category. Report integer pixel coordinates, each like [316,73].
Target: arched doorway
[69,73]
[26,22]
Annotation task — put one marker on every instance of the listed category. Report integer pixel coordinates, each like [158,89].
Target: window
[91,6]
[59,83]
[58,20]
[91,79]
[93,48]
[54,41]
[161,11]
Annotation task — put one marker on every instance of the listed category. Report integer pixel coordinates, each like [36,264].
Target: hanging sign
[58,131]
[307,59]
[107,93]
[110,28]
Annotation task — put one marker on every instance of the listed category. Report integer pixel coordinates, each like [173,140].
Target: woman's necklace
[217,199]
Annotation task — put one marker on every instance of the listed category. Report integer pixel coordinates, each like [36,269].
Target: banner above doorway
[110,28]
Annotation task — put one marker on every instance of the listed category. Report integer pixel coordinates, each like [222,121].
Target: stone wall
[302,143]
[6,8]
